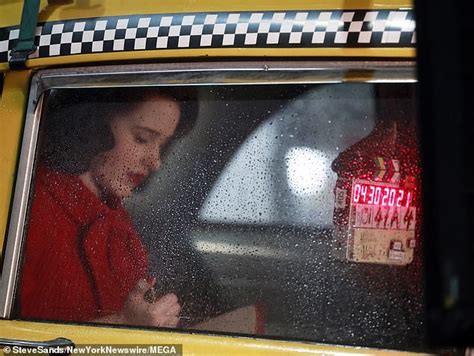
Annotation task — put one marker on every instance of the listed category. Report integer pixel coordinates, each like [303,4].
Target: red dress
[82,258]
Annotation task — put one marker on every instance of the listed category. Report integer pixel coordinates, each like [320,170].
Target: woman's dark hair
[76,122]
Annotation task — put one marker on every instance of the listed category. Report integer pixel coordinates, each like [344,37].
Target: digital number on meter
[382,206]
[372,194]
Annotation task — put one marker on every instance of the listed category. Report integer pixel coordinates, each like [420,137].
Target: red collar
[73,196]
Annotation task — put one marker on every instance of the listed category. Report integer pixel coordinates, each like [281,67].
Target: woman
[83,259]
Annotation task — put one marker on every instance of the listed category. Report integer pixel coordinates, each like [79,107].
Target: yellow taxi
[266,197]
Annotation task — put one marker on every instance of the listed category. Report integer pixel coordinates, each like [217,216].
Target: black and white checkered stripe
[290,29]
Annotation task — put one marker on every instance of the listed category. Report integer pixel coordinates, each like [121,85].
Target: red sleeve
[46,260]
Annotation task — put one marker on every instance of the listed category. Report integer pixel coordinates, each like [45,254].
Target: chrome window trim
[227,73]
[20,201]
[177,74]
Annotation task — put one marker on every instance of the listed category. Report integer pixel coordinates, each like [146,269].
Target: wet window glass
[289,211]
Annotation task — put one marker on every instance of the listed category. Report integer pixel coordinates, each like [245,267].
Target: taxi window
[279,210]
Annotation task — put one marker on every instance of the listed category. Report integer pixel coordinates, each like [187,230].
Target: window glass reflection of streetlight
[308,171]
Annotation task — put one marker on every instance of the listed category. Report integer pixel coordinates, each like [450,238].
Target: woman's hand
[137,311]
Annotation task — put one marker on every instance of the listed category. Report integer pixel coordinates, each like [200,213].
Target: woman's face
[139,137]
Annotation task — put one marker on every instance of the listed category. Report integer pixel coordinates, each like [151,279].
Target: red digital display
[372,194]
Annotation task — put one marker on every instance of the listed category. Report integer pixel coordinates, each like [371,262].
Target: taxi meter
[376,215]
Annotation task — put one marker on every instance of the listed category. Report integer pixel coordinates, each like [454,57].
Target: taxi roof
[54,10]
[72,32]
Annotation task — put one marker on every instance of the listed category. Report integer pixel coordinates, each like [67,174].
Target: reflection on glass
[308,171]
[255,220]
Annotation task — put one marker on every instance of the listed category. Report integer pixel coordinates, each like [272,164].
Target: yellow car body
[16,84]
